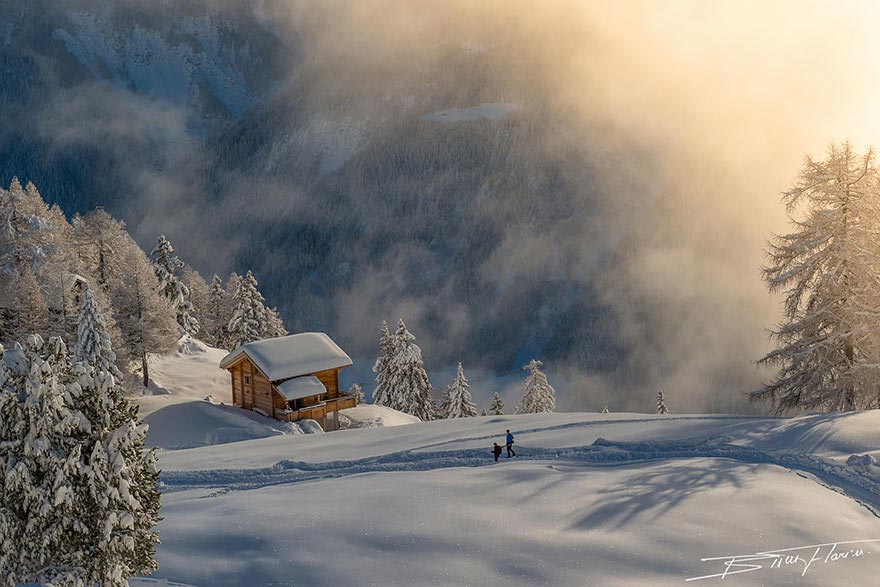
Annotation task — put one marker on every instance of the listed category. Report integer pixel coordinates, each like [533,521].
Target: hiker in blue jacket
[510,452]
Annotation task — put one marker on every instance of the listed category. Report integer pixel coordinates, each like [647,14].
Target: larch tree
[538,395]
[497,406]
[381,395]
[167,266]
[661,403]
[459,403]
[145,318]
[409,389]
[30,311]
[827,344]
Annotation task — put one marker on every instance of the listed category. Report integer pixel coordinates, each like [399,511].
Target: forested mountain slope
[366,162]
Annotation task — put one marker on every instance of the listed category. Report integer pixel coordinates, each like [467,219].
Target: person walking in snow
[510,452]
[496,450]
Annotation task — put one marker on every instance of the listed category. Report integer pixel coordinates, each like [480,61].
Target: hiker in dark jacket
[496,450]
[510,452]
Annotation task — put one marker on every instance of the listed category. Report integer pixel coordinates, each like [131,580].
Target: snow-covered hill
[590,499]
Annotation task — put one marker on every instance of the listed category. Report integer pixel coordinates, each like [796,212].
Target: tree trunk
[144,367]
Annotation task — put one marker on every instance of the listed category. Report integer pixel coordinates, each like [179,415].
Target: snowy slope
[591,499]
[188,404]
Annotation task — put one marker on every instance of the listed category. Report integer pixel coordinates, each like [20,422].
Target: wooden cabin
[290,378]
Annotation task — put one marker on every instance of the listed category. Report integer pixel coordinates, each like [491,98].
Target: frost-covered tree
[497,406]
[167,266]
[80,503]
[199,295]
[100,240]
[408,388]
[357,393]
[30,313]
[42,470]
[459,403]
[274,324]
[145,318]
[605,410]
[248,322]
[93,344]
[538,395]
[827,268]
[381,395]
[216,319]
[661,403]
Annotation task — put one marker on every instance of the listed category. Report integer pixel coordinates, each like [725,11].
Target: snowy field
[590,499]
[425,505]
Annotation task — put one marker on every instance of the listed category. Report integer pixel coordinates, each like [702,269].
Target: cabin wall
[330,379]
[235,375]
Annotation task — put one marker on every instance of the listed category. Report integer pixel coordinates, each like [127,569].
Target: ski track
[844,480]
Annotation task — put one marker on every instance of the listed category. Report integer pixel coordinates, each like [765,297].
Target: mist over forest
[515,182]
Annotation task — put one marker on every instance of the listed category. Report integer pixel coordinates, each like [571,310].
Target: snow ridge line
[591,423]
[601,452]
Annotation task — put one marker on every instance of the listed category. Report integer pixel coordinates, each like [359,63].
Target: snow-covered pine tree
[166,266]
[216,319]
[441,403]
[199,294]
[274,324]
[119,495]
[605,410]
[145,318]
[661,403]
[93,345]
[248,322]
[497,407]
[538,395]
[13,486]
[356,392]
[408,387]
[828,343]
[41,480]
[459,402]
[381,395]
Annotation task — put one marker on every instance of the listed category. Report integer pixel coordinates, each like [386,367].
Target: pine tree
[80,502]
[408,387]
[274,324]
[381,395]
[199,295]
[605,410]
[459,402]
[357,393]
[167,265]
[828,344]
[661,403]
[248,322]
[93,345]
[538,395]
[216,318]
[497,407]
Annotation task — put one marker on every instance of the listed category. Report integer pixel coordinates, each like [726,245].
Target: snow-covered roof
[292,356]
[300,387]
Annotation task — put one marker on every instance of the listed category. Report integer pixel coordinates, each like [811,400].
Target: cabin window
[247,379]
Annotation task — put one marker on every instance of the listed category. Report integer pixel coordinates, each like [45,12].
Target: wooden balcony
[318,411]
